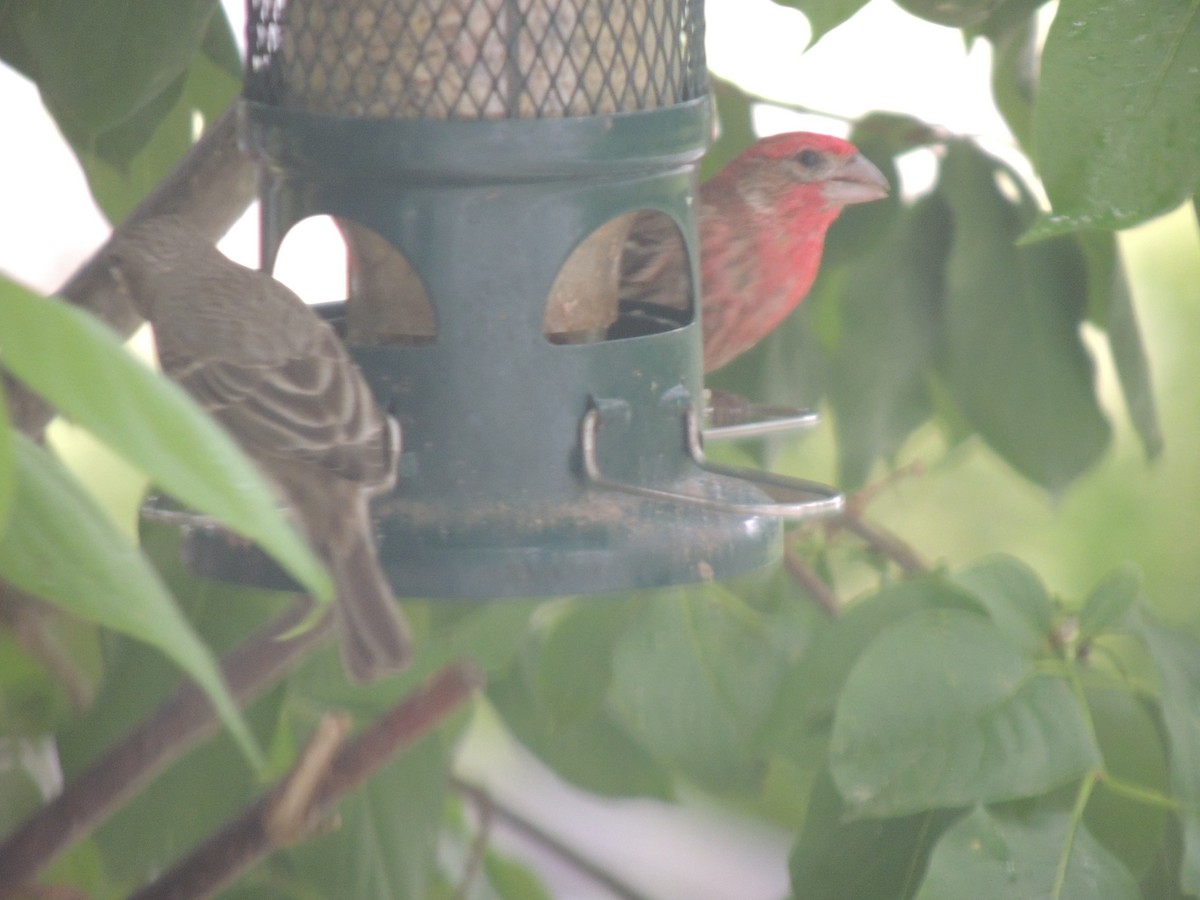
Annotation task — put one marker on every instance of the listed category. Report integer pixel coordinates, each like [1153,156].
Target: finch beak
[857,180]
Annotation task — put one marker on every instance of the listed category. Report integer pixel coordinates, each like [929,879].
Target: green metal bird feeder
[483,160]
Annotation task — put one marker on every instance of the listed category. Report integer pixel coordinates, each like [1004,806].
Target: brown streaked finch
[271,371]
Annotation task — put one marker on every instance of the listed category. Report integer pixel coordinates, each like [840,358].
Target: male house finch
[762,223]
[278,378]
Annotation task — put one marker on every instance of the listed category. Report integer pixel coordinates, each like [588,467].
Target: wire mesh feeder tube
[474,59]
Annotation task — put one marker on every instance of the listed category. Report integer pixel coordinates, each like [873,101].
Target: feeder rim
[522,149]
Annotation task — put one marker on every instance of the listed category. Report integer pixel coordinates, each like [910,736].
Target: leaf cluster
[940,309]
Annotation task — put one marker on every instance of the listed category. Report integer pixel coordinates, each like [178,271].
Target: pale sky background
[883,59]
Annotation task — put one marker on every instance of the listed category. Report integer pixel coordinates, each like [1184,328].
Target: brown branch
[210,188]
[255,834]
[810,581]
[27,616]
[479,846]
[857,505]
[288,816]
[540,836]
[49,892]
[181,722]
[884,541]
[876,536]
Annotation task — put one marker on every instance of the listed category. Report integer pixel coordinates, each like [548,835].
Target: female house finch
[762,224]
[278,378]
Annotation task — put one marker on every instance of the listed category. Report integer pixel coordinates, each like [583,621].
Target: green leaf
[1013,597]
[1014,360]
[79,366]
[13,51]
[1001,854]
[6,460]
[123,163]
[1110,305]
[512,880]
[1115,123]
[385,845]
[966,719]
[1176,656]
[596,753]
[136,677]
[1131,742]
[889,321]
[492,635]
[68,552]
[574,657]
[867,859]
[182,806]
[554,700]
[1014,76]
[952,13]
[694,678]
[736,121]
[31,704]
[824,15]
[81,867]
[1110,601]
[19,792]
[98,63]
[881,137]
[808,696]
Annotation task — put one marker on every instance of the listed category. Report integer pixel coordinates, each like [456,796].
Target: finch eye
[808,158]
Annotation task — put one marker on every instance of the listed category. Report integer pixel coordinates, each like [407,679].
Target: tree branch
[884,541]
[876,536]
[181,722]
[322,776]
[809,580]
[26,615]
[540,836]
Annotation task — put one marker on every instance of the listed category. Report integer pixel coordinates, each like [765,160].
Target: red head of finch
[762,222]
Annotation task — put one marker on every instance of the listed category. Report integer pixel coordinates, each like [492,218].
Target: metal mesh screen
[474,59]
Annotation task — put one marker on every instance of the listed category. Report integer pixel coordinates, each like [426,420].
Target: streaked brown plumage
[279,379]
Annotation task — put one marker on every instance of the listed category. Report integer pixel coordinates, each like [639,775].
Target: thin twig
[288,816]
[519,823]
[249,838]
[179,724]
[50,892]
[807,578]
[26,615]
[479,846]
[856,506]
[876,536]
[886,542]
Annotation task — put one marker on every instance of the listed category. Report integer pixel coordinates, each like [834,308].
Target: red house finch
[762,223]
[278,378]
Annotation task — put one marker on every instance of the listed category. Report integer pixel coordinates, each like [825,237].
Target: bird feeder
[483,160]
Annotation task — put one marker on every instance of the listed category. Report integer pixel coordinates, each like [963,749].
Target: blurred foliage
[1016,720]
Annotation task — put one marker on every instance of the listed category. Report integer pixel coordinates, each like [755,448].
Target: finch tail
[375,636]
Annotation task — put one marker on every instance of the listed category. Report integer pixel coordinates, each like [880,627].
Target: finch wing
[730,296]
[288,389]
